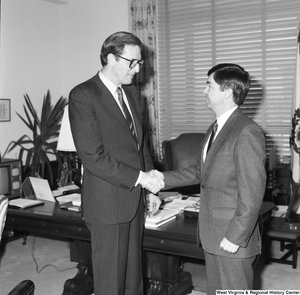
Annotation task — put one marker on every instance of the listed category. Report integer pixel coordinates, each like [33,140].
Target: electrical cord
[47,265]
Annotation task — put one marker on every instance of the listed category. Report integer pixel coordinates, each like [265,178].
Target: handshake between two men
[153,181]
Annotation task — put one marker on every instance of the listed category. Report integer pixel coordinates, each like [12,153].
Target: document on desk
[161,217]
[74,198]
[180,204]
[22,203]
[158,224]
[68,187]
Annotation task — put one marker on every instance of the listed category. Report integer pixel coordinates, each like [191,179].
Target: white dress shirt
[221,122]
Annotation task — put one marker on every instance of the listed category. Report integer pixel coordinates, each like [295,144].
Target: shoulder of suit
[241,120]
[91,85]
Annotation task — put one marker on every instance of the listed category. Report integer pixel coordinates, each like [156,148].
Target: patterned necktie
[213,132]
[127,114]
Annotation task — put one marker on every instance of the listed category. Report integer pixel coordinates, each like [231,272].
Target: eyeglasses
[133,62]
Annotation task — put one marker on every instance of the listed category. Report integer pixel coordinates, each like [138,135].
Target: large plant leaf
[44,132]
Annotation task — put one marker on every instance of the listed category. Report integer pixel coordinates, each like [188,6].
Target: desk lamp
[71,161]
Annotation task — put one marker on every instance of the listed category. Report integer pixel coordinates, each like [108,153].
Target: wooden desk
[163,246]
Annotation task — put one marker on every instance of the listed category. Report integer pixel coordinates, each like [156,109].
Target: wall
[85,27]
[47,45]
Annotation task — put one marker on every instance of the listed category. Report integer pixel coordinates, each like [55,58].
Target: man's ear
[228,92]
[111,59]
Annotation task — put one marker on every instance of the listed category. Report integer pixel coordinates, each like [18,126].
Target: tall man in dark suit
[106,123]
[232,178]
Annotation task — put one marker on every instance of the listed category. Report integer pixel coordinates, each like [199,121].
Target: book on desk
[169,210]
[22,203]
[160,217]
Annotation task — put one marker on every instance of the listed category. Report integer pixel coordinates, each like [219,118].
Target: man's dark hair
[232,76]
[115,44]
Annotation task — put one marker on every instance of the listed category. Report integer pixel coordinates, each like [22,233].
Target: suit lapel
[206,137]
[110,103]
[229,125]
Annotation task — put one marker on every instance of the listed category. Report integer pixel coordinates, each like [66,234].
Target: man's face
[121,71]
[214,96]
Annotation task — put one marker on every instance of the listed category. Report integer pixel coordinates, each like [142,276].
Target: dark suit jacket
[233,180]
[108,152]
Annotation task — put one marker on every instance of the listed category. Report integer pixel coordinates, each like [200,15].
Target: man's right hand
[152,180]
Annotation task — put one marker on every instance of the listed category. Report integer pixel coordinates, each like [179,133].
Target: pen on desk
[73,209]
[71,191]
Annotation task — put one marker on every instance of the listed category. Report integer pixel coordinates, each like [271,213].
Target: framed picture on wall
[4,110]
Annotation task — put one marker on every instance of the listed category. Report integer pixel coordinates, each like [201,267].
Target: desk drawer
[47,228]
[173,247]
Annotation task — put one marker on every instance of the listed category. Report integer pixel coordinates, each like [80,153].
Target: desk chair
[286,232]
[26,287]
[182,152]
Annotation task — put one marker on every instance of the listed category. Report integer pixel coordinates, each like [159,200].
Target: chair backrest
[25,287]
[182,151]
[3,212]
[294,202]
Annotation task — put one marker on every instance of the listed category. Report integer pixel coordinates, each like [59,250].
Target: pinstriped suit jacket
[110,156]
[233,180]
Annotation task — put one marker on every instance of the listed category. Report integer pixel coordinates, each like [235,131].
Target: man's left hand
[153,204]
[228,247]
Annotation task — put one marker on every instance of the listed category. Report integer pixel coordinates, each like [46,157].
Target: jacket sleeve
[183,177]
[249,163]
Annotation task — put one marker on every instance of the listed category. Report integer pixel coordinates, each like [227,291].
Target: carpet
[52,269]
[17,263]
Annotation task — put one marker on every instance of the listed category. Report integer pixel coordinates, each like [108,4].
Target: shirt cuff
[139,179]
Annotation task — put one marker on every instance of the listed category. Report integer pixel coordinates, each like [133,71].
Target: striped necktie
[213,133]
[127,114]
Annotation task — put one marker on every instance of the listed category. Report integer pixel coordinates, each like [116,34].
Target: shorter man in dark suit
[232,177]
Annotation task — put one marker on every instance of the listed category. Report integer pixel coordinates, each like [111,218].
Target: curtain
[143,25]
[295,140]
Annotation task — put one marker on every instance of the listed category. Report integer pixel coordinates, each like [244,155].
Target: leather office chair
[182,152]
[26,287]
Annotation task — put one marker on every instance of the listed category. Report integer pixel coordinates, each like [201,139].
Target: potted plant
[45,131]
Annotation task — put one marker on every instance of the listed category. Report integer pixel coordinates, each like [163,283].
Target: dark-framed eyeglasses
[133,63]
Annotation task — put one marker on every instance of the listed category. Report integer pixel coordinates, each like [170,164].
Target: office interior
[48,44]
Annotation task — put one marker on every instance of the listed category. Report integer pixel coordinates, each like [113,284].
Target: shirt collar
[222,119]
[110,85]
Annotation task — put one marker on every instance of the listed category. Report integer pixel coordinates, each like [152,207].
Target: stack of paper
[161,217]
[69,198]
[180,204]
[60,191]
[22,203]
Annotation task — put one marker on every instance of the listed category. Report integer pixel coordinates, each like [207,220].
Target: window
[194,35]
